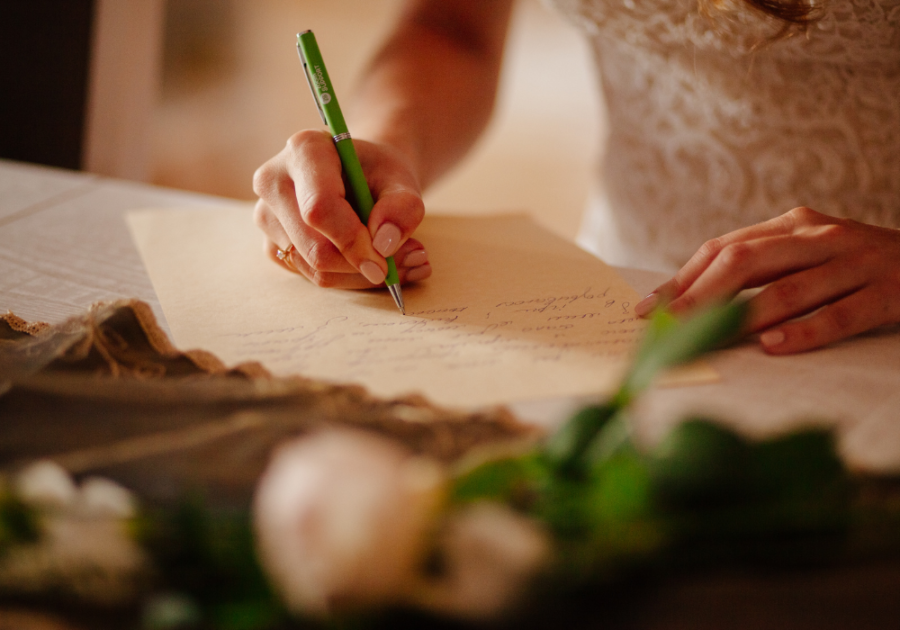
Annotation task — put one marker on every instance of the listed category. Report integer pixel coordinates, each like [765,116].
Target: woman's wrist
[399,138]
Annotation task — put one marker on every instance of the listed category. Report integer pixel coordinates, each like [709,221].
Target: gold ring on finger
[284,255]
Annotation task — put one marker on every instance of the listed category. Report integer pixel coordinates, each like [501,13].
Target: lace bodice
[714,125]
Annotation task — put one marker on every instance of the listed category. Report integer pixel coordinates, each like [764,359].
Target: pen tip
[397,294]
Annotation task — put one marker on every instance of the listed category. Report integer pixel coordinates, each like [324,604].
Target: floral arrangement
[351,529]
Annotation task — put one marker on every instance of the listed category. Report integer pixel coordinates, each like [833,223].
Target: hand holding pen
[310,215]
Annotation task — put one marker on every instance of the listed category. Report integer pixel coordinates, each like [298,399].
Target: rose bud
[343,520]
[490,554]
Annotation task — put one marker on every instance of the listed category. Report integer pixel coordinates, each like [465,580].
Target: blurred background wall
[79,82]
[196,94]
[232,92]
[44,88]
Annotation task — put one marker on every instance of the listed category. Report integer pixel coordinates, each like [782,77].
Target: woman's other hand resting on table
[825,279]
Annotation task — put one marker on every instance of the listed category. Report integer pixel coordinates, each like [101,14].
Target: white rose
[343,519]
[84,546]
[46,484]
[490,554]
[104,497]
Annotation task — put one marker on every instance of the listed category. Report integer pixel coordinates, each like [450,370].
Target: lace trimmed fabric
[107,393]
[715,124]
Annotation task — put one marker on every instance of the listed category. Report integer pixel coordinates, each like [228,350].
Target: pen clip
[309,81]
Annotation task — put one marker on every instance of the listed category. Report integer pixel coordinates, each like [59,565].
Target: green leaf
[800,465]
[700,463]
[622,489]
[669,343]
[207,554]
[612,439]
[605,519]
[258,614]
[18,521]
[513,480]
[566,447]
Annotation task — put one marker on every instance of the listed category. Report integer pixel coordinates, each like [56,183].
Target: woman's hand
[302,202]
[843,274]
[415,101]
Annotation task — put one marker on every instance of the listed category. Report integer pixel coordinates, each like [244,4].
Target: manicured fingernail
[387,238]
[646,306]
[372,272]
[415,258]
[418,273]
[771,338]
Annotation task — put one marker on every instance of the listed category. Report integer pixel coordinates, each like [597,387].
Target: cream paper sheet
[511,312]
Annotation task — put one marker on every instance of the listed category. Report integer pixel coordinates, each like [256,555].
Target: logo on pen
[322,85]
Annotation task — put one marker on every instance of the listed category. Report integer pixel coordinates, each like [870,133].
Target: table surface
[64,245]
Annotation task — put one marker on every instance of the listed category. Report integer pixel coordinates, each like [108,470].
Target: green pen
[360,196]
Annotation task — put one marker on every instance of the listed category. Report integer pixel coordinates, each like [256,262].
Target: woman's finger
[314,166]
[396,215]
[324,279]
[303,188]
[277,213]
[303,201]
[803,292]
[412,266]
[783,225]
[412,262]
[318,252]
[399,208]
[851,315]
[749,264]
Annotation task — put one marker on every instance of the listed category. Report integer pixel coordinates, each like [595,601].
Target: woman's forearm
[430,90]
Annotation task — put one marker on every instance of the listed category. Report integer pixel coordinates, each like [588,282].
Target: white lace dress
[710,131]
